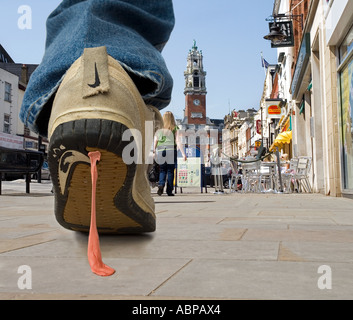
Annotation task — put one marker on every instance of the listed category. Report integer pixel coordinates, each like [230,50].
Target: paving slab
[61,275]
[207,246]
[329,252]
[258,280]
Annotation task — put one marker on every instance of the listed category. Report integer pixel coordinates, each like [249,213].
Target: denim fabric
[134,32]
[165,155]
[167,160]
[166,172]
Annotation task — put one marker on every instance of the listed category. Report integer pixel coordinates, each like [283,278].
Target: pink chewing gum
[94,252]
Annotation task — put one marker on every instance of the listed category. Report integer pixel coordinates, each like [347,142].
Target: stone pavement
[207,246]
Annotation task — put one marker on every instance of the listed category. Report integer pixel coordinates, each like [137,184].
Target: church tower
[195,88]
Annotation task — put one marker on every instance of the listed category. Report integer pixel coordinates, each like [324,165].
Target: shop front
[345,76]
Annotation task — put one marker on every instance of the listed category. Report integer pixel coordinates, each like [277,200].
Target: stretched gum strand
[94,252]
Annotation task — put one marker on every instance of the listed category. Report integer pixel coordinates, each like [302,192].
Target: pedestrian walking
[166,143]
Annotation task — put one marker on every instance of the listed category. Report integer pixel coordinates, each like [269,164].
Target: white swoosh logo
[65,164]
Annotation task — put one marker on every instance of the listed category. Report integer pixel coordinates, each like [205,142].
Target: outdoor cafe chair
[251,175]
[288,175]
[268,176]
[301,175]
[235,176]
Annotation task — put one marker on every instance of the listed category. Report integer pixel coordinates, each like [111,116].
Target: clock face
[197,102]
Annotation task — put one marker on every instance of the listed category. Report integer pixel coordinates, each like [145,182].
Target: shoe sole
[117,211]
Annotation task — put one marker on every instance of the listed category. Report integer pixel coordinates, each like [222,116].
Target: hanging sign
[273,108]
[286,28]
[258,126]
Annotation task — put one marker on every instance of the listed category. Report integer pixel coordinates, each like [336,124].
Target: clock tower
[195,88]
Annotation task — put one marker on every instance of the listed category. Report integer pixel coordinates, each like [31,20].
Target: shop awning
[287,125]
[281,139]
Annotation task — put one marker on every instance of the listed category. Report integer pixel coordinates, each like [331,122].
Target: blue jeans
[166,160]
[134,32]
[166,172]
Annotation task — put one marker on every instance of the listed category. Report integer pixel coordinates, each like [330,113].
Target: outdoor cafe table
[276,185]
[268,169]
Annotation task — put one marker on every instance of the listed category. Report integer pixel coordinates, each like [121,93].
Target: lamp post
[262,125]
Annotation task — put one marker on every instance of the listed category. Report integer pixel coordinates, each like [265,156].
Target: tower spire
[195,76]
[195,87]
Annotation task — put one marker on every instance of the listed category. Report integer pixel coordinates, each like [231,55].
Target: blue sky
[229,32]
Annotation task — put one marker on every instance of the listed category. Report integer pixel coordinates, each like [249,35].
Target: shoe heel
[117,211]
[95,104]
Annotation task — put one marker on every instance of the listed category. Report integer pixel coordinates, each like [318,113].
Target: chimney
[24,74]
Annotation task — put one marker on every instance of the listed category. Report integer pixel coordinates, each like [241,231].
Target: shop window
[346,99]
[346,46]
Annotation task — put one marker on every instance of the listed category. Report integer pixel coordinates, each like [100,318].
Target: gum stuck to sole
[94,252]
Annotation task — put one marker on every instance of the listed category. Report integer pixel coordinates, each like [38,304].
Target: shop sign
[11,141]
[29,144]
[302,62]
[258,126]
[273,108]
[287,28]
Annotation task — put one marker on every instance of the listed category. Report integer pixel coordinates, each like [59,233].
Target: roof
[217,122]
[4,56]
[16,68]
[6,63]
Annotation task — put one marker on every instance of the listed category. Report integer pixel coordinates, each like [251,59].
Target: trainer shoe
[96,103]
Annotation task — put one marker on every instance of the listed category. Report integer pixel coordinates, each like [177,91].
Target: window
[7,123]
[346,102]
[3,58]
[8,89]
[196,80]
[347,45]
